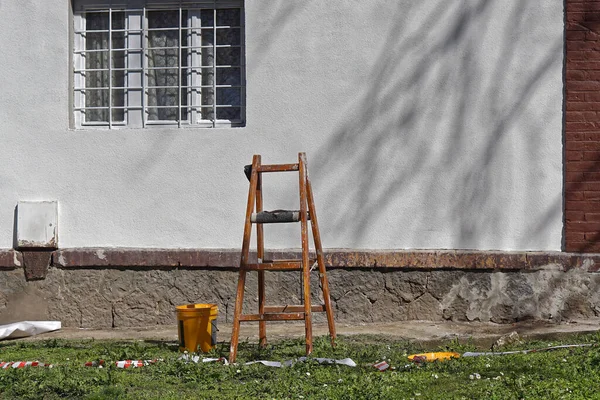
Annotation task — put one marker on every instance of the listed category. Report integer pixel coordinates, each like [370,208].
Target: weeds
[566,373]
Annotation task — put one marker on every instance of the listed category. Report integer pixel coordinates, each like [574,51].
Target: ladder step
[273,267]
[276,216]
[277,265]
[272,317]
[278,167]
[271,168]
[298,309]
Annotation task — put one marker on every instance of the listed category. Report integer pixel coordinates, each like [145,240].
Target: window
[141,63]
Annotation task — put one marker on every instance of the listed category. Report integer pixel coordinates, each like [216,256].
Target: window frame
[136,55]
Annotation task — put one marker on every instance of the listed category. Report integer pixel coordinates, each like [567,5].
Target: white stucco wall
[427,124]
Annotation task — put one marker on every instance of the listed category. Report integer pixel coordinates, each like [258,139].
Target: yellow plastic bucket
[197,327]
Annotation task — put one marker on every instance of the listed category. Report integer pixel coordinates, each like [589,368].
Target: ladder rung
[280,309]
[272,317]
[292,260]
[280,266]
[278,167]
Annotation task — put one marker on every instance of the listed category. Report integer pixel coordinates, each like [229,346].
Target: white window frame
[136,63]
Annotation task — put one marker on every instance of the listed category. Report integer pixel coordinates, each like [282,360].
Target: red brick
[588,186]
[592,237]
[592,97]
[591,176]
[582,247]
[591,155]
[575,237]
[590,86]
[582,6]
[591,195]
[574,155]
[583,226]
[583,65]
[583,166]
[590,206]
[583,145]
[574,196]
[593,26]
[575,177]
[576,216]
[591,146]
[576,96]
[593,75]
[592,217]
[575,136]
[582,126]
[582,55]
[577,75]
[576,35]
[575,116]
[587,106]
[581,45]
[590,116]
[574,26]
[588,15]
[591,136]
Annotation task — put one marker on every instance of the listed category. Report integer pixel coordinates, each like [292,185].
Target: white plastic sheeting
[27,328]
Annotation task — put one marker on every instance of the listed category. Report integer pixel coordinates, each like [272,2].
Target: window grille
[159,63]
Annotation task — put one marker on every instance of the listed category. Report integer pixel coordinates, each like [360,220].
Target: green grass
[570,374]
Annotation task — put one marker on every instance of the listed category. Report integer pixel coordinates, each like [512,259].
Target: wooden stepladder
[256,215]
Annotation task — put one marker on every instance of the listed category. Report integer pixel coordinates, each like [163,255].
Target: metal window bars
[207,58]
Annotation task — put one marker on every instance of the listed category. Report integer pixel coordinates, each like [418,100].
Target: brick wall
[582,126]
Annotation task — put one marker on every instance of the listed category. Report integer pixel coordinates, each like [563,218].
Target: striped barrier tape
[98,363]
[123,363]
[134,363]
[23,364]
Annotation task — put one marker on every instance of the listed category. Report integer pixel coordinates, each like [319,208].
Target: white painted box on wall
[37,224]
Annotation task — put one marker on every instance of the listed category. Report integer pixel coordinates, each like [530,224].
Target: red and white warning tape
[99,363]
[23,364]
[134,363]
[122,364]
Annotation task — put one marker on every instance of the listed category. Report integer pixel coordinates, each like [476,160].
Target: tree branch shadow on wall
[435,124]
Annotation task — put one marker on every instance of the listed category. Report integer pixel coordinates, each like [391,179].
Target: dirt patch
[482,334]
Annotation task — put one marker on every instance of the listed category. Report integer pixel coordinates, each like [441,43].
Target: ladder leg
[260,250]
[239,299]
[305,259]
[320,261]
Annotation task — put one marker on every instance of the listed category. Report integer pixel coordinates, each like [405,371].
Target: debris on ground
[504,340]
[503,353]
[27,328]
[381,366]
[276,364]
[437,356]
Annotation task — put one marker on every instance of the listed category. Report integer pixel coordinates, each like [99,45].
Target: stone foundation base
[104,296]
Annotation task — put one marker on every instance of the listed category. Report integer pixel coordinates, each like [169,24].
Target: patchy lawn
[567,373]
